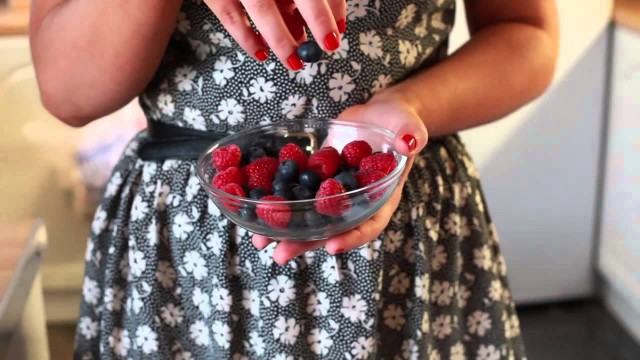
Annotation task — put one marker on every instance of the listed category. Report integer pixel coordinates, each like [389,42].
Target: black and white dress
[169,277]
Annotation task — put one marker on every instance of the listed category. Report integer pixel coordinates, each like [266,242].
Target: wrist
[401,97]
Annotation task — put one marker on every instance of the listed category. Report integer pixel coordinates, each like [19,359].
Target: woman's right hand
[281,23]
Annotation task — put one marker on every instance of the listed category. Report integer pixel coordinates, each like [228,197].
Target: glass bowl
[299,220]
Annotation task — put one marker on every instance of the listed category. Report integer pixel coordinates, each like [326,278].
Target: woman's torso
[207,82]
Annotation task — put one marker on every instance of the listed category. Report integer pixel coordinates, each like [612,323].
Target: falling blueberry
[288,170]
[348,180]
[302,192]
[310,180]
[310,52]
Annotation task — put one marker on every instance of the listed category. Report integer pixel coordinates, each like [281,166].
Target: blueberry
[256,153]
[310,52]
[310,180]
[347,180]
[257,194]
[314,220]
[248,214]
[280,184]
[302,192]
[297,220]
[288,170]
[286,193]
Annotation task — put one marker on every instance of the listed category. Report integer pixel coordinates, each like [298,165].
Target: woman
[169,277]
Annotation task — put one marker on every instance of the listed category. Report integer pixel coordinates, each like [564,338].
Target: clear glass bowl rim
[223,196]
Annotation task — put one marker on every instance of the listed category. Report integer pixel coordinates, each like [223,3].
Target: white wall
[619,258]
[540,164]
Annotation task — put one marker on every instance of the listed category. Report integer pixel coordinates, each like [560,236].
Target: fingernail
[411,141]
[338,251]
[262,55]
[342,26]
[294,62]
[332,42]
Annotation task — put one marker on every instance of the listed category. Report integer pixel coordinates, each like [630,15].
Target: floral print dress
[169,277]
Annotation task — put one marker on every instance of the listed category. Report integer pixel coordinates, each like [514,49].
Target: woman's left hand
[390,111]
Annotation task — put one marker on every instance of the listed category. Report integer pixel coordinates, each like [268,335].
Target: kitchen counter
[14,18]
[627,13]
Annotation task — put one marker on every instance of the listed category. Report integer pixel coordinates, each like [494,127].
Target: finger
[319,18]
[261,242]
[267,18]
[339,10]
[411,138]
[234,19]
[287,250]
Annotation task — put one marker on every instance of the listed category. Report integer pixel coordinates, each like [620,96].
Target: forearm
[93,57]
[500,69]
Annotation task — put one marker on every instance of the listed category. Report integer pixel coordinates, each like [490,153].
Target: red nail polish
[411,141]
[338,251]
[294,62]
[262,55]
[332,42]
[342,26]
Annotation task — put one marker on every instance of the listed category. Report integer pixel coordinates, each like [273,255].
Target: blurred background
[562,177]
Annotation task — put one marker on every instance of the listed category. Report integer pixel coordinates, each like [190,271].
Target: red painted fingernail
[342,26]
[338,251]
[411,141]
[332,42]
[262,55]
[294,62]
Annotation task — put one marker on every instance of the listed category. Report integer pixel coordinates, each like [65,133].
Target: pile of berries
[292,174]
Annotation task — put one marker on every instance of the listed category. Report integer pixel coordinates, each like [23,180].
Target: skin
[510,60]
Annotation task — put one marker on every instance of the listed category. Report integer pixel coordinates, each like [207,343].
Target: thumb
[411,136]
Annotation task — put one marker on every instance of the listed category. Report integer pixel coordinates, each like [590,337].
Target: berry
[226,157]
[264,167]
[348,180]
[248,214]
[258,182]
[310,52]
[287,171]
[293,152]
[254,154]
[274,215]
[335,206]
[314,220]
[368,177]
[257,193]
[302,192]
[310,180]
[233,189]
[382,162]
[232,175]
[279,184]
[286,193]
[297,220]
[354,152]
[325,162]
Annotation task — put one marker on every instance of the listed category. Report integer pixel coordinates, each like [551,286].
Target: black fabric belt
[171,142]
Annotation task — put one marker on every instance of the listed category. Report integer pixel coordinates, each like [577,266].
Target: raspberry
[293,152]
[354,152]
[382,162]
[232,175]
[368,177]
[263,167]
[233,189]
[264,183]
[325,162]
[274,215]
[226,157]
[334,206]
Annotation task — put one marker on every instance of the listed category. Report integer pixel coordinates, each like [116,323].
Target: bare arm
[93,57]
[509,61]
